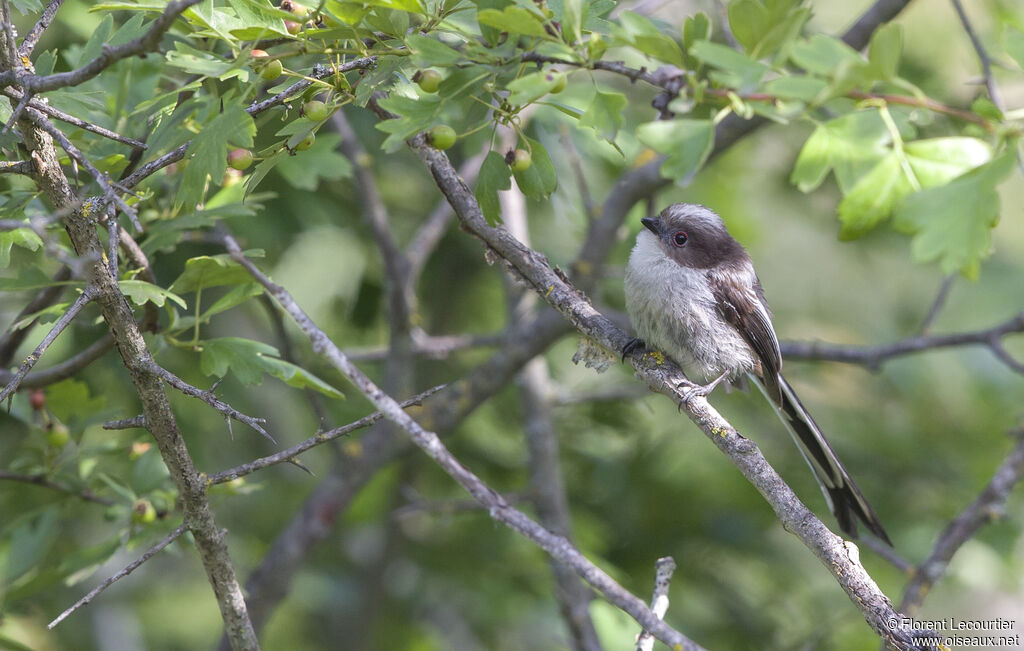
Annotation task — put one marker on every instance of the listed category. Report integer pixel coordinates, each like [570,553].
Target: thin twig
[429,346]
[209,398]
[313,441]
[46,297]
[131,567]
[65,369]
[874,356]
[58,114]
[938,303]
[983,58]
[557,546]
[148,42]
[15,167]
[37,30]
[136,422]
[63,322]
[663,570]
[43,480]
[984,509]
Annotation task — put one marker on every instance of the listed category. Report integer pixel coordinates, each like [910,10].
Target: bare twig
[557,546]
[148,42]
[128,569]
[127,423]
[65,369]
[42,480]
[874,356]
[37,30]
[983,58]
[838,556]
[663,571]
[14,167]
[987,507]
[940,301]
[178,154]
[429,346]
[63,322]
[43,107]
[46,297]
[313,441]
[209,398]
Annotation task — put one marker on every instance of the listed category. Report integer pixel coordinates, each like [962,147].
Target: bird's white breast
[674,311]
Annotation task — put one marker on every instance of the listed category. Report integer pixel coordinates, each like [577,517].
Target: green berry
[316,110]
[57,435]
[441,137]
[292,27]
[240,159]
[305,143]
[558,78]
[143,512]
[428,80]
[272,70]
[521,160]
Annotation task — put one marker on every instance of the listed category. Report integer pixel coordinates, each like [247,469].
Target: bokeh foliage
[883,172]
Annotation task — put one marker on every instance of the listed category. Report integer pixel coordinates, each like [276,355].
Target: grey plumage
[692,293]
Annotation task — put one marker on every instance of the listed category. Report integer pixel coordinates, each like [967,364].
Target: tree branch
[841,558]
[874,356]
[131,567]
[428,441]
[42,480]
[45,108]
[986,508]
[983,58]
[37,30]
[663,571]
[63,322]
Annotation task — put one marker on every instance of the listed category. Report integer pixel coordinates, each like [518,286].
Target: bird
[692,293]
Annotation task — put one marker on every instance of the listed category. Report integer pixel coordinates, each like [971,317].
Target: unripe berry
[316,110]
[441,137]
[305,143]
[521,160]
[429,80]
[143,512]
[240,159]
[272,70]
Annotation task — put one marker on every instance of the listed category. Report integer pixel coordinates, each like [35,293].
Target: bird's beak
[652,224]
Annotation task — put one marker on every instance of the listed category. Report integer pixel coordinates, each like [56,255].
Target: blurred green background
[921,436]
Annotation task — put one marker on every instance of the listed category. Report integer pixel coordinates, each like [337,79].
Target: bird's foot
[633,344]
[696,390]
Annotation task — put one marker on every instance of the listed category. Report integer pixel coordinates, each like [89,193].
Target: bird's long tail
[844,498]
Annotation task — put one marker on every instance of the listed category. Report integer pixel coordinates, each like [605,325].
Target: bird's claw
[633,344]
[697,390]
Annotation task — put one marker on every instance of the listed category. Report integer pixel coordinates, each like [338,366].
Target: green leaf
[687,143]
[806,89]
[306,169]
[871,200]
[249,360]
[540,179]
[211,271]
[884,50]
[349,13]
[207,153]
[938,161]
[431,52]
[762,28]
[30,541]
[532,86]
[256,21]
[849,145]
[573,16]
[298,377]
[142,292]
[952,223]
[235,296]
[494,175]
[25,238]
[823,55]
[243,357]
[514,19]
[738,70]
[604,114]
[415,115]
[641,33]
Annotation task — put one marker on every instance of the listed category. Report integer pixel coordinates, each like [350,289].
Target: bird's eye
[680,238]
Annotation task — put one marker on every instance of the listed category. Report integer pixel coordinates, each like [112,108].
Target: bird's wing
[741,305]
